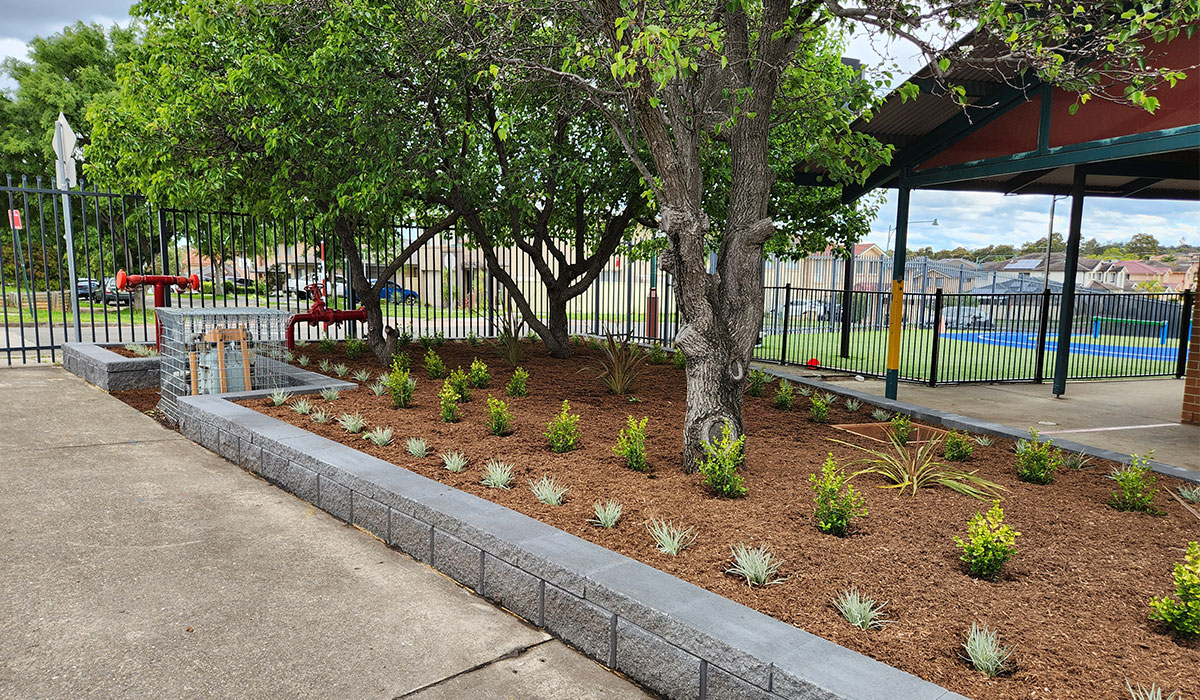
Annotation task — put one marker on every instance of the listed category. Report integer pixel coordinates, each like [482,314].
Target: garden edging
[669,635]
[108,370]
[954,421]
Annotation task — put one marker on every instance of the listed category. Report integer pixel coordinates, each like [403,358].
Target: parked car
[397,295]
[808,309]
[962,318]
[109,294]
[86,287]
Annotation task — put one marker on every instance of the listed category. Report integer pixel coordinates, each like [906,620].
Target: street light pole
[1049,240]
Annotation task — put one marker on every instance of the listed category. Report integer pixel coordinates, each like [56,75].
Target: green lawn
[959,360]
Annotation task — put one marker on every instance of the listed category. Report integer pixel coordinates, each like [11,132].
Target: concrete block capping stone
[675,638]
[108,370]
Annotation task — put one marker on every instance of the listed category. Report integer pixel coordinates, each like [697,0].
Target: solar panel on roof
[1023,265]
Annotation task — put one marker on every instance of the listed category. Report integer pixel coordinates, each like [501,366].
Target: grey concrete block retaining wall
[108,370]
[955,421]
[669,635]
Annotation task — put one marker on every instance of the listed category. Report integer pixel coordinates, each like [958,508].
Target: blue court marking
[1080,345]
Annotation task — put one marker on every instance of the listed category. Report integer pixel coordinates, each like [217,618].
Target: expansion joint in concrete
[510,654]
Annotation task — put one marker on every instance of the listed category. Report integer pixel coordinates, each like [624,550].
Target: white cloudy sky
[970,219]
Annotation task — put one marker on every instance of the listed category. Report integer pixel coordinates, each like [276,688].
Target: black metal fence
[248,261]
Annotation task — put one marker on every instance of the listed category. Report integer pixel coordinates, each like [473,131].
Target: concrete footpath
[134,563]
[1130,416]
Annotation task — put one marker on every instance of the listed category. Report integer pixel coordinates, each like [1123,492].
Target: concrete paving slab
[153,568]
[1130,416]
[535,673]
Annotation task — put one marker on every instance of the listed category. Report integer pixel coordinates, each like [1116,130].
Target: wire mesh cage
[220,350]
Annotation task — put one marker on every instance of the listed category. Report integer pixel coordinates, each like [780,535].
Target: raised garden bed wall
[669,635]
[99,365]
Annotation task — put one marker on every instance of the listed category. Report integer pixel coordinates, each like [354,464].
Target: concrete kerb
[673,637]
[955,421]
[98,365]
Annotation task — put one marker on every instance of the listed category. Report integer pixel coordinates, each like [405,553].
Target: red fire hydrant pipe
[319,312]
[160,283]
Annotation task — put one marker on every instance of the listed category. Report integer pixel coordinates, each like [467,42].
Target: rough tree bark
[381,338]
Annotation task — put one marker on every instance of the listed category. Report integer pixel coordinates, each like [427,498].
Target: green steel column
[896,314]
[1066,312]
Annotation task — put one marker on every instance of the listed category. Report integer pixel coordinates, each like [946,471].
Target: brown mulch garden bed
[1072,603]
[125,352]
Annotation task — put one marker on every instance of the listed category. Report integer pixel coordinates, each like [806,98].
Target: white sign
[64,148]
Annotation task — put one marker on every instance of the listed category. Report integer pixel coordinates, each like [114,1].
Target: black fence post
[163,251]
[937,336]
[787,307]
[847,292]
[1039,372]
[1185,333]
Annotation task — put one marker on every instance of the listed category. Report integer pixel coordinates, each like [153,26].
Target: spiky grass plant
[454,461]
[302,360]
[881,415]
[379,387]
[620,364]
[288,356]
[919,467]
[984,650]
[142,350]
[302,406]
[1191,493]
[828,397]
[548,491]
[804,391]
[324,364]
[670,538]
[508,335]
[859,610]
[362,376]
[1141,692]
[497,474]
[331,394]
[380,435]
[607,513]
[340,369]
[983,440]
[852,405]
[1076,460]
[279,397]
[755,564]
[417,447]
[321,416]
[352,422]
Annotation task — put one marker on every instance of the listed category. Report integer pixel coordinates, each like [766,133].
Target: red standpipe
[160,282]
[320,312]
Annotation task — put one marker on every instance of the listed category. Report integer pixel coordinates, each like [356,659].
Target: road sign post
[64,148]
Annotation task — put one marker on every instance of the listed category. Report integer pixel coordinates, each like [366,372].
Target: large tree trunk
[557,335]
[380,338]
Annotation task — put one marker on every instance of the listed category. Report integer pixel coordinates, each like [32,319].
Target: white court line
[1100,430]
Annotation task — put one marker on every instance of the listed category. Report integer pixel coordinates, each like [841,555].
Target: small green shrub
[631,444]
[755,564]
[1037,460]
[473,340]
[401,385]
[902,427]
[434,365]
[985,652]
[499,420]
[448,407]
[1182,615]
[722,459]
[327,344]
[819,410]
[478,374]
[989,543]
[837,502]
[1137,486]
[517,384]
[678,359]
[784,397]
[657,354]
[427,342]
[958,447]
[607,514]
[461,383]
[355,347]
[405,339]
[859,610]
[756,382]
[563,429]
[402,360]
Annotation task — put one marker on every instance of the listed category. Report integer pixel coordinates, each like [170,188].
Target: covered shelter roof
[1019,136]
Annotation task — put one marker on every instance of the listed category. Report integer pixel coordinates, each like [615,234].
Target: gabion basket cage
[220,350]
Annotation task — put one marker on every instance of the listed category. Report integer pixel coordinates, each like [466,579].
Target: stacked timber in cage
[219,351]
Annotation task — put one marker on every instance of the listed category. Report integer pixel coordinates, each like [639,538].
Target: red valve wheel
[121,278]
